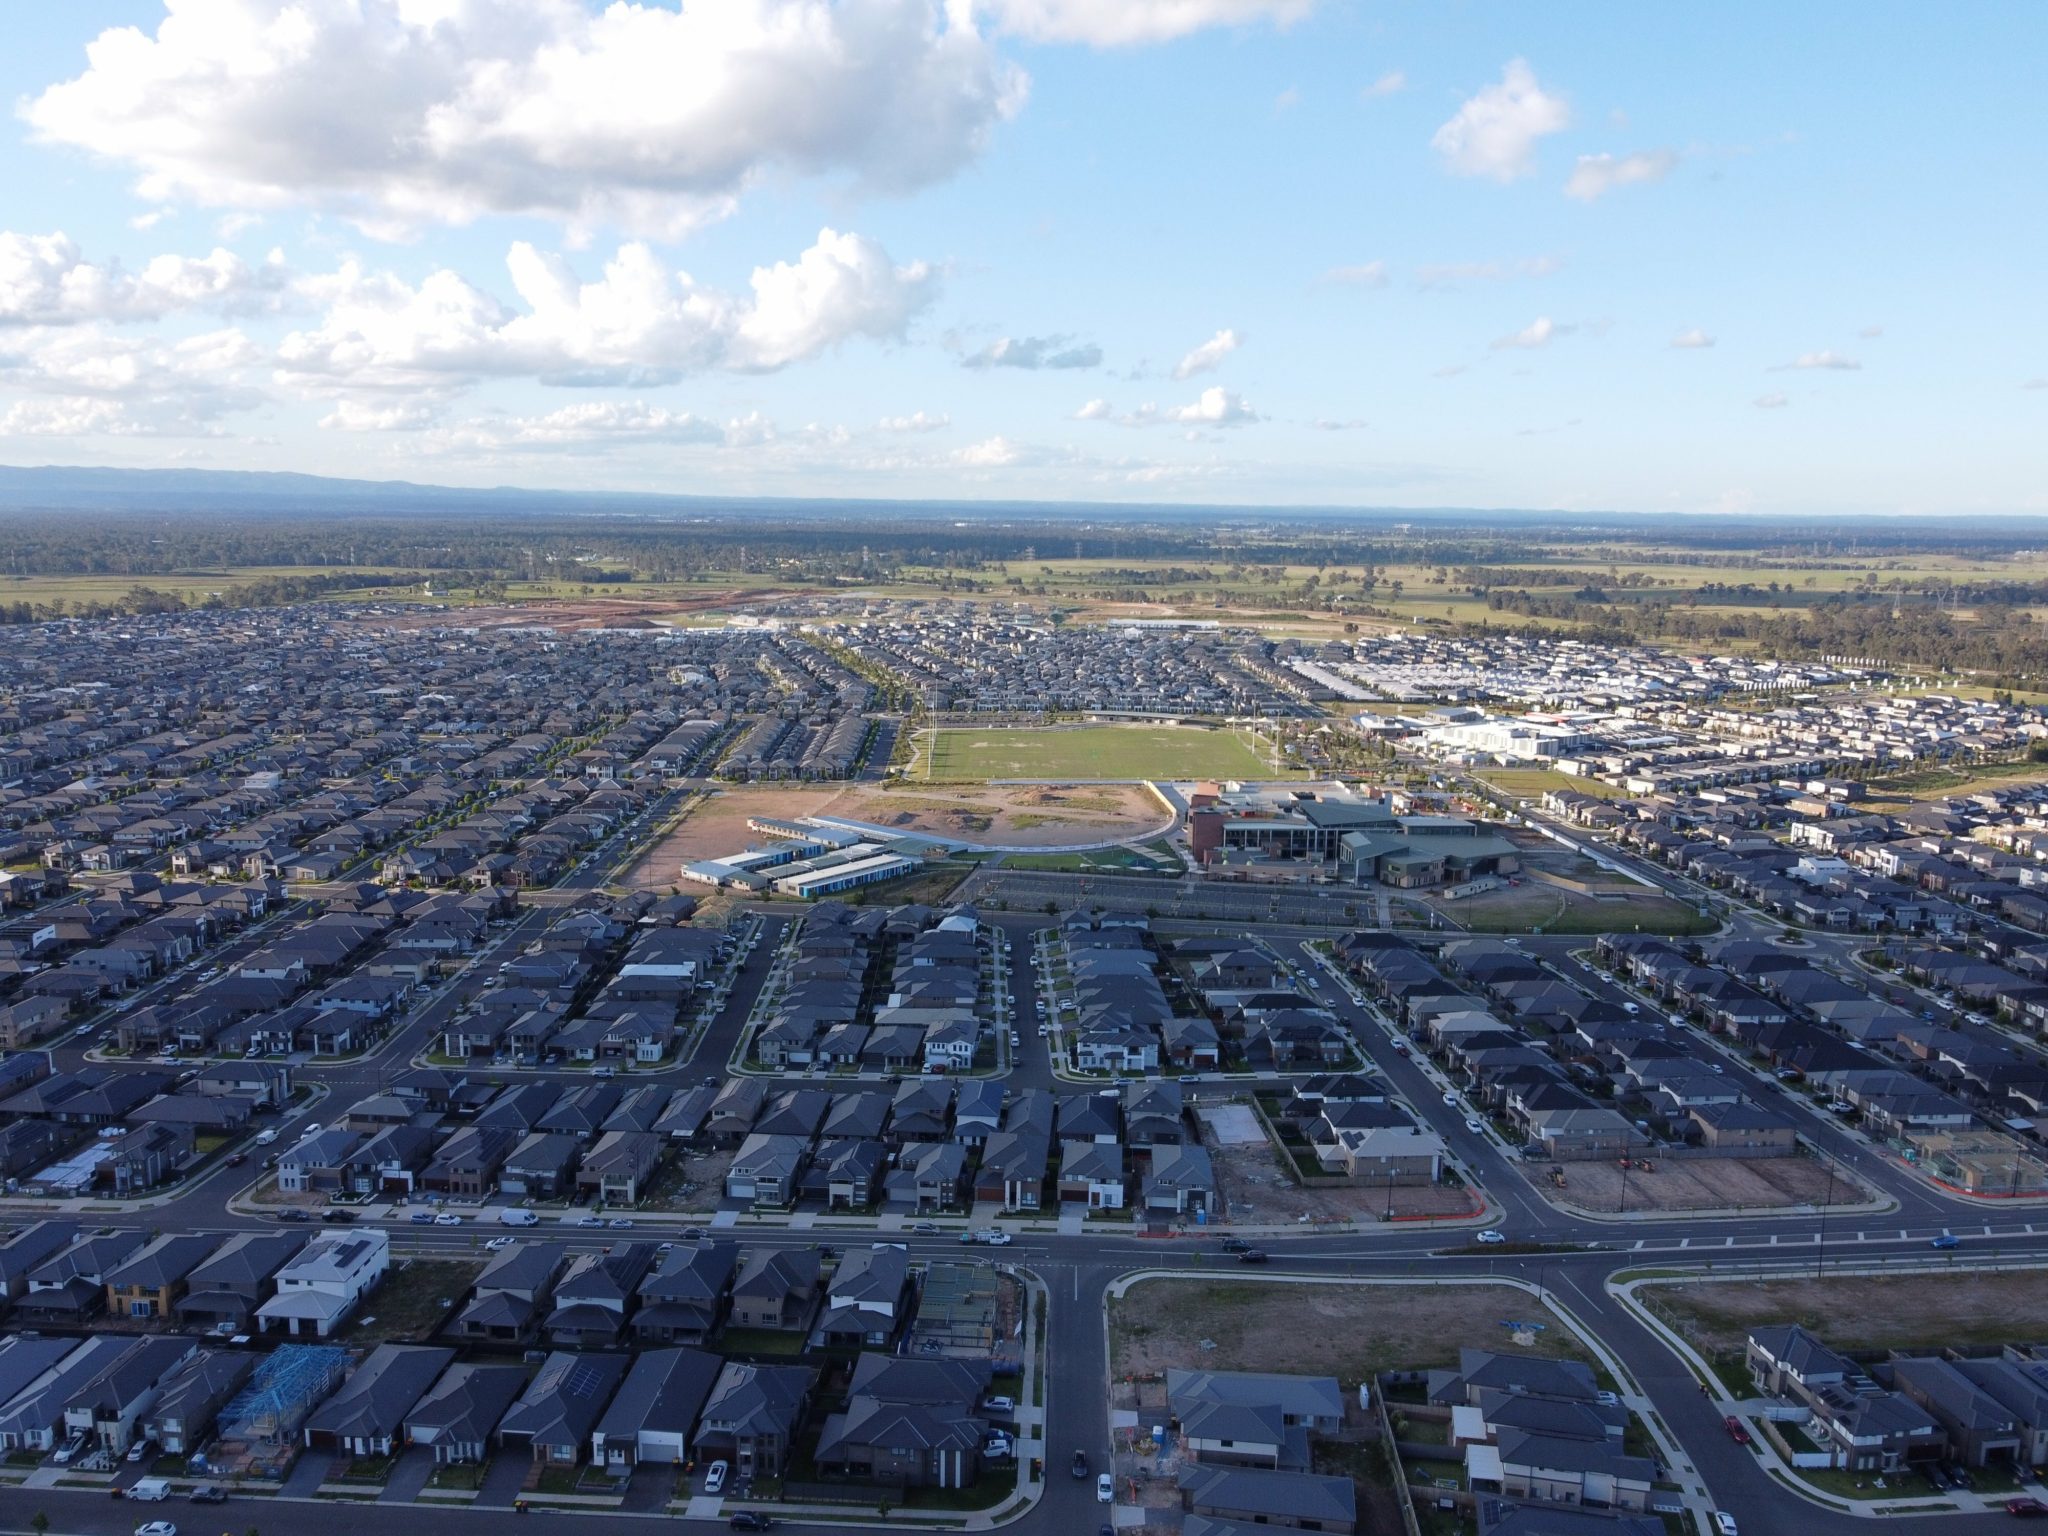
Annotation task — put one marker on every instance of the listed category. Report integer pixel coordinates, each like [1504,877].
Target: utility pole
[1820,1260]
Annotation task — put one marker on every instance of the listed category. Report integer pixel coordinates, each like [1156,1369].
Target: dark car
[1252,1256]
[207,1493]
[747,1520]
[338,1218]
[236,1159]
[1235,1245]
[1080,1463]
[2026,1508]
[293,1215]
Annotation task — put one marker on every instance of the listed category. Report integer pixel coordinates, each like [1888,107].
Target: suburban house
[867,1299]
[318,1287]
[752,1416]
[909,1423]
[367,1416]
[554,1417]
[655,1410]
[459,1414]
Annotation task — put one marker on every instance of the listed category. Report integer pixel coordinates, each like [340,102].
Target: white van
[513,1216]
[153,1490]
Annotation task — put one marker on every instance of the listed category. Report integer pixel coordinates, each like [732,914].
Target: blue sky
[1742,258]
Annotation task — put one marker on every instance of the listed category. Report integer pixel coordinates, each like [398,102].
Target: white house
[321,1286]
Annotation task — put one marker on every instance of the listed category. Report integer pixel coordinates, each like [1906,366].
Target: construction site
[259,1428]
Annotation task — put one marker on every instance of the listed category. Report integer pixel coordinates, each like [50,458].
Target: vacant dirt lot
[1021,816]
[1703,1184]
[1024,816]
[1866,1313]
[1256,1191]
[718,825]
[1349,1331]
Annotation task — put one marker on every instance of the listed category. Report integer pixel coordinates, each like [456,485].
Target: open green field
[1065,753]
[192,586]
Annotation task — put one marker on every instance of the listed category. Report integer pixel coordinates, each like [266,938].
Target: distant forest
[1529,574]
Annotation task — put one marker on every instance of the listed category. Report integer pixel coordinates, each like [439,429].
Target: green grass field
[1062,754]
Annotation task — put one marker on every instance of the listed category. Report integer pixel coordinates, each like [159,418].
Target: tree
[39,1522]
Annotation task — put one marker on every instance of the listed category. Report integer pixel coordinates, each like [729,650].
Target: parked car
[1475,1125]
[999,1405]
[2026,1508]
[591,1221]
[422,1218]
[338,1218]
[235,1159]
[1737,1431]
[1724,1523]
[620,1221]
[447,1219]
[208,1493]
[747,1520]
[140,1449]
[714,1479]
[293,1213]
[156,1528]
[1105,1489]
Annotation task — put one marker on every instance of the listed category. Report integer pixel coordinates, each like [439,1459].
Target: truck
[515,1216]
[153,1490]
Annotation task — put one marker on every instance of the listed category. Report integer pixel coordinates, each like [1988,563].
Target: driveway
[408,1477]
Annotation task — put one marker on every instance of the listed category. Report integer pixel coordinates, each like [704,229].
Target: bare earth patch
[1256,1191]
[1019,815]
[1704,1184]
[717,825]
[1928,1311]
[1351,1332]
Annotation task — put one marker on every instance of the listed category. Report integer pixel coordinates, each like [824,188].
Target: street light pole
[1820,1262]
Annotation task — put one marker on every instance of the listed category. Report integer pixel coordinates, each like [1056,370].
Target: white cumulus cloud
[1208,355]
[1035,352]
[638,324]
[1121,23]
[1692,339]
[399,114]
[1831,361]
[1392,83]
[1364,274]
[1596,175]
[1494,134]
[916,421]
[46,280]
[1214,407]
[1539,332]
[1094,410]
